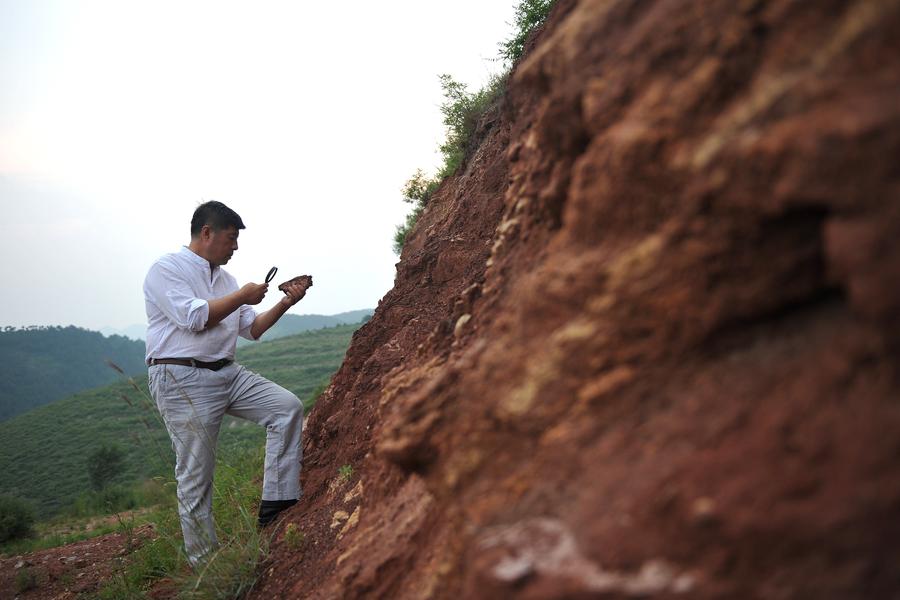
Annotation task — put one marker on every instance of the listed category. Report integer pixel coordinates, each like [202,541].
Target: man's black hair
[216,215]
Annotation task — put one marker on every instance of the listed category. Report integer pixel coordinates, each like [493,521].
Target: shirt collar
[196,258]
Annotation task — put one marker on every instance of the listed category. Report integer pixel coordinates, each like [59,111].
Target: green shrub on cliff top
[462,110]
[529,14]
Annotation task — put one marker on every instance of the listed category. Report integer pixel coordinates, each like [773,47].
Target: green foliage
[403,230]
[293,537]
[104,464]
[457,114]
[16,518]
[39,365]
[52,474]
[529,14]
[117,497]
[419,188]
[461,110]
[345,473]
[108,499]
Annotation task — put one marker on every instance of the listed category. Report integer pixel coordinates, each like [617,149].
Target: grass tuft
[293,537]
[345,473]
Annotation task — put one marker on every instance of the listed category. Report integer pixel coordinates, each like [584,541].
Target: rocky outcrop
[645,343]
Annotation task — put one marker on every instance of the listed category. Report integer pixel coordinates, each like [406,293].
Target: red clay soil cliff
[645,343]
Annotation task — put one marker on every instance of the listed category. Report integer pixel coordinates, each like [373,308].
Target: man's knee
[291,407]
[288,416]
[296,407]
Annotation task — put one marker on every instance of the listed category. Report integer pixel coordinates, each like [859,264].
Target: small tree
[103,465]
[419,188]
[529,14]
[16,518]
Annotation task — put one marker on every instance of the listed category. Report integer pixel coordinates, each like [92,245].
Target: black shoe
[269,509]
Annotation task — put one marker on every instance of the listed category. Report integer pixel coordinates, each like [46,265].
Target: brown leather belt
[191,362]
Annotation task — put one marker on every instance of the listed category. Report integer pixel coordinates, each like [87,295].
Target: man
[195,312]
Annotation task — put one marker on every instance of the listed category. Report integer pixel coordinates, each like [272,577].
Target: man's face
[221,245]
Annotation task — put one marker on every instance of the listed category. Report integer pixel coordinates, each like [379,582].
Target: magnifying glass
[271,274]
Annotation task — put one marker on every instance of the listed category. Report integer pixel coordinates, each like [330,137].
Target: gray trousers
[192,402]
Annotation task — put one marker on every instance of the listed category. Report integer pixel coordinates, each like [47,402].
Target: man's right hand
[253,293]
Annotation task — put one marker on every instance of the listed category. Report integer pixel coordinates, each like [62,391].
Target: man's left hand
[294,292]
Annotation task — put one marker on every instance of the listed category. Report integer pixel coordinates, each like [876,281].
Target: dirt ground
[73,571]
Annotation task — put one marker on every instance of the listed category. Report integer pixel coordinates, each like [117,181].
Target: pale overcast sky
[118,117]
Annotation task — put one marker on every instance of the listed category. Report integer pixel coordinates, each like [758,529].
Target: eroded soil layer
[645,343]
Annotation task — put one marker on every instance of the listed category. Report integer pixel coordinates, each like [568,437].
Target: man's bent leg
[259,400]
[192,410]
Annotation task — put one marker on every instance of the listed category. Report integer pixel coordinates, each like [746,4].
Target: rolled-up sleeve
[248,315]
[169,292]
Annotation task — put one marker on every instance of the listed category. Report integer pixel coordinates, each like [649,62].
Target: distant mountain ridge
[138,331]
[41,364]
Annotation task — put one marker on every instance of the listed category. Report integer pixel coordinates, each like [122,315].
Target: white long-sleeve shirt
[177,291]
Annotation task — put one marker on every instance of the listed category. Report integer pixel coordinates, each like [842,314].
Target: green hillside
[41,364]
[43,452]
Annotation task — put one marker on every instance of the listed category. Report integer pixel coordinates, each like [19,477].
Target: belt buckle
[193,362]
